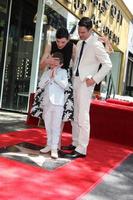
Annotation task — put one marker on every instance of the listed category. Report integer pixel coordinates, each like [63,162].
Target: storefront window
[129,76]
[3,25]
[19,55]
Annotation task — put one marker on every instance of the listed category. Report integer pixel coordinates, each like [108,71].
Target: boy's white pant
[52,115]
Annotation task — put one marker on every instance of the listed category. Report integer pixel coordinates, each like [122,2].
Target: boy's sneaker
[54,153]
[45,149]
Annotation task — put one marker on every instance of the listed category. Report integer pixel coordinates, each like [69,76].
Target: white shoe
[45,149]
[54,153]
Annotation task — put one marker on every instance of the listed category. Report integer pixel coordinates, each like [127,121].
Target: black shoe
[61,153]
[73,154]
[70,147]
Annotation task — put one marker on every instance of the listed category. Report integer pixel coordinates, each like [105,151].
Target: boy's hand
[53,72]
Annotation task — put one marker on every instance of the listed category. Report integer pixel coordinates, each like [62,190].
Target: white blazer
[54,88]
[93,55]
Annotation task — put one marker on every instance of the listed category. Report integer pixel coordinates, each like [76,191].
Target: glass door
[3,32]
[19,55]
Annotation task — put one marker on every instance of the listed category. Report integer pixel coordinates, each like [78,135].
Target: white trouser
[81,124]
[52,116]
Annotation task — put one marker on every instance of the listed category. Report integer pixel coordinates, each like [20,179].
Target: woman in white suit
[85,76]
[53,81]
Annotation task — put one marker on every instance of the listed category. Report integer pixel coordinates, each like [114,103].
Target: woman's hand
[45,60]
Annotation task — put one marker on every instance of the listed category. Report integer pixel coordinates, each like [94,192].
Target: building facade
[26,26]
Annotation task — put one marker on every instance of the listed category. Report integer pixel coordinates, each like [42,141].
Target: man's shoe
[61,153]
[73,154]
[46,149]
[69,147]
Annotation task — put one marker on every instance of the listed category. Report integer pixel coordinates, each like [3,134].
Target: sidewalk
[10,121]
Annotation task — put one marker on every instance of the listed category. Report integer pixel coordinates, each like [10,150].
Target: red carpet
[19,181]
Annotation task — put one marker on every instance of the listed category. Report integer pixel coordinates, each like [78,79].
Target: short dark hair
[86,22]
[62,33]
[58,55]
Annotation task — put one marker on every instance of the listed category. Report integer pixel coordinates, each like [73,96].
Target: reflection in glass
[19,55]
[3,30]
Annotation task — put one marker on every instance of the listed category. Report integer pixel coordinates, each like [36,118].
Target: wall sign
[98,11]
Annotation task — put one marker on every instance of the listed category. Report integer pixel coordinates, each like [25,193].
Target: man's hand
[89,82]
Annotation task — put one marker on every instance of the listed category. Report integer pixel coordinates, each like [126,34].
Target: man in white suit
[54,81]
[90,54]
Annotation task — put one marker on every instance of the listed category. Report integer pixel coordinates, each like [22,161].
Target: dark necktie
[80,55]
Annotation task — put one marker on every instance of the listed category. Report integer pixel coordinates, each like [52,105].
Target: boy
[54,81]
